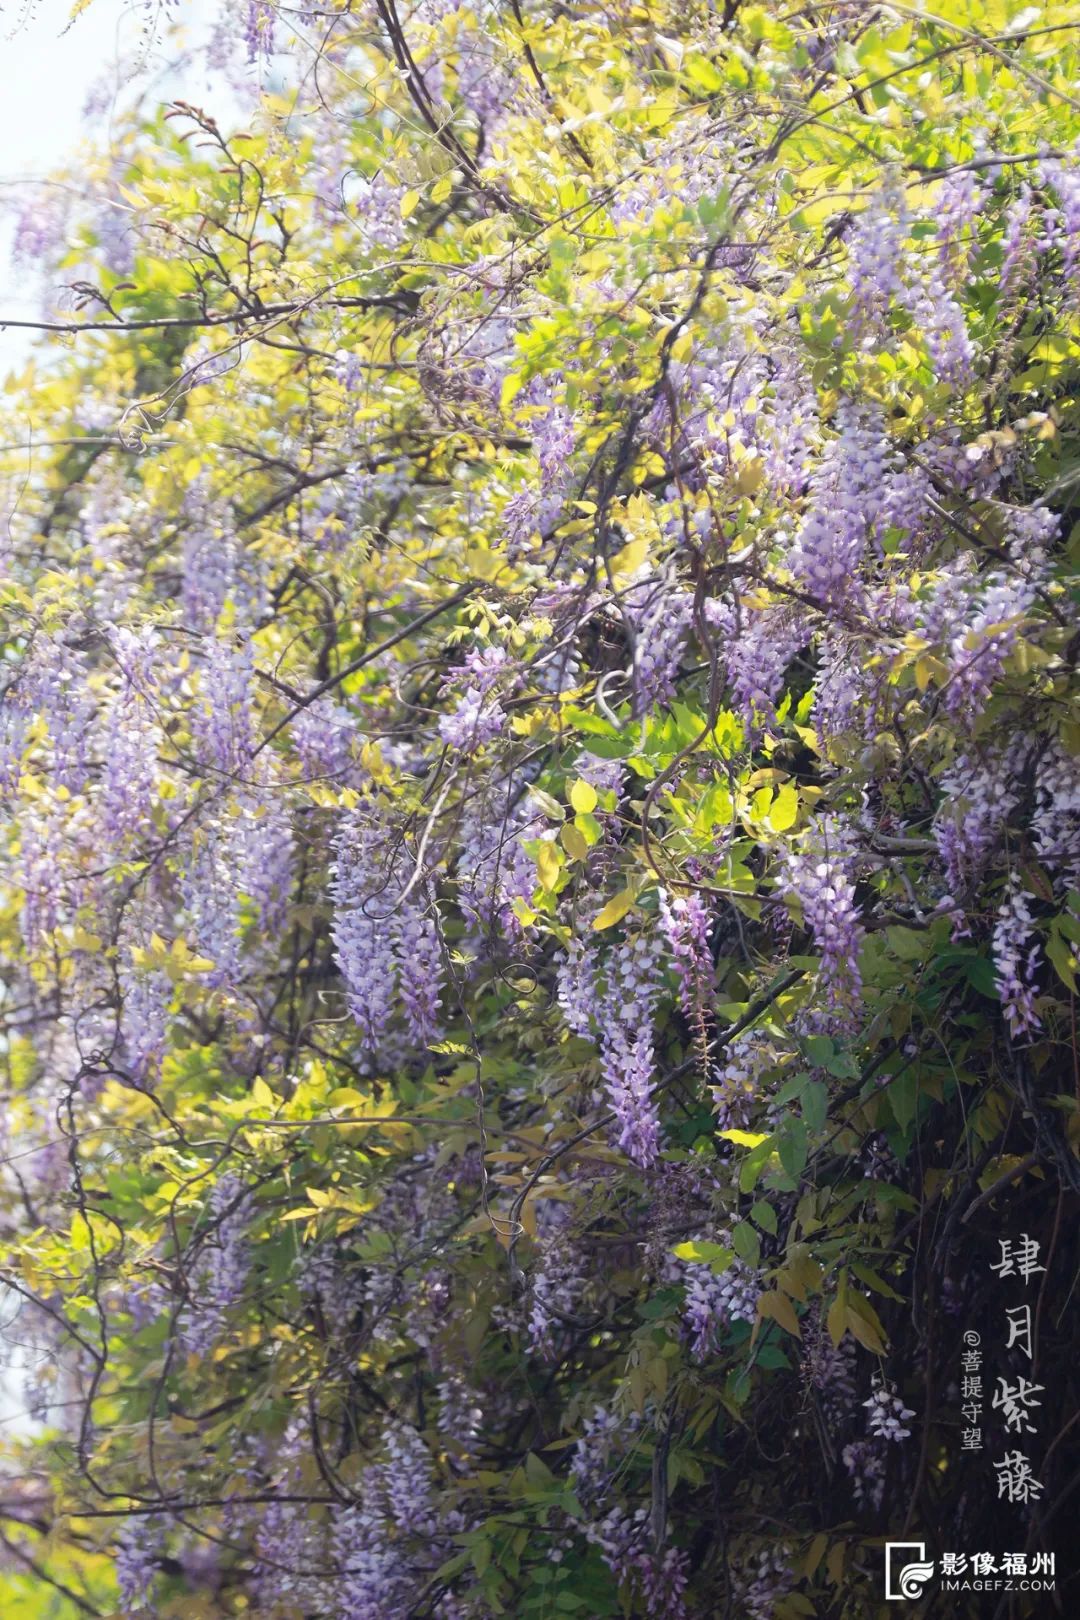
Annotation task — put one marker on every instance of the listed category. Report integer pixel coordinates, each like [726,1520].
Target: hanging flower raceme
[686,924]
[660,619]
[222,722]
[875,251]
[756,645]
[887,1415]
[714,1301]
[1016,960]
[632,990]
[479,715]
[385,936]
[222,1266]
[147,993]
[979,793]
[820,877]
[130,743]
[846,493]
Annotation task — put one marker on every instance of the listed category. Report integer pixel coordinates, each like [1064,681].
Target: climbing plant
[540,869]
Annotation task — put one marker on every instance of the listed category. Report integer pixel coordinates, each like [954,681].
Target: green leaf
[815,1105]
[754,1163]
[792,1088]
[903,1095]
[701,71]
[549,805]
[872,1280]
[820,1049]
[548,863]
[746,1243]
[1064,959]
[792,1146]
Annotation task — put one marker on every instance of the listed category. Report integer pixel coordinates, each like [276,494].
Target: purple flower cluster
[222,723]
[557,1280]
[324,736]
[865,1463]
[1056,822]
[660,618]
[686,924]
[846,492]
[1017,246]
[660,1578]
[765,1579]
[597,1453]
[259,30]
[494,869]
[374,1543]
[486,83]
[479,716]
[979,792]
[386,939]
[632,990]
[829,1369]
[875,250]
[375,203]
[537,508]
[144,1022]
[820,877]
[714,1301]
[1061,225]
[1016,960]
[137,1564]
[738,1080]
[981,643]
[131,739]
[221,1270]
[887,1415]
[756,645]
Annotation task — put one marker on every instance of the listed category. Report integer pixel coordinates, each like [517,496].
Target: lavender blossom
[714,1301]
[222,1267]
[632,991]
[888,1415]
[1016,961]
[363,941]
[845,502]
[137,1564]
[686,924]
[865,1464]
[820,876]
[222,723]
[875,247]
[661,619]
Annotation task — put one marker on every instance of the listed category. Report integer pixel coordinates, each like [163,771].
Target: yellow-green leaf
[785,808]
[750,1139]
[583,797]
[778,1308]
[614,911]
[574,842]
[548,864]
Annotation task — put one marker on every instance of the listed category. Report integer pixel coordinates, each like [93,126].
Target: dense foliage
[542,816]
